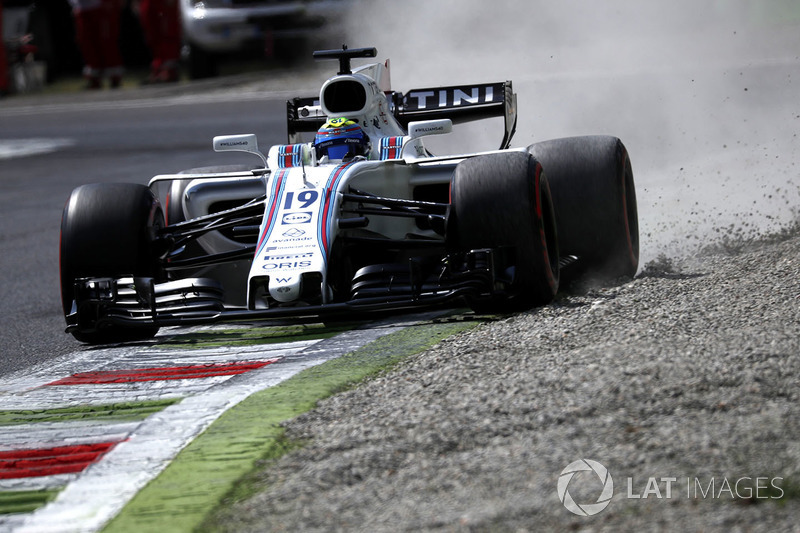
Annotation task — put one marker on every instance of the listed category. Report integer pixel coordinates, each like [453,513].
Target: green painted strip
[252,336]
[213,466]
[129,411]
[25,501]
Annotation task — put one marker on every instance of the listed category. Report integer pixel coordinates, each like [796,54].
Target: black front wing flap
[141,302]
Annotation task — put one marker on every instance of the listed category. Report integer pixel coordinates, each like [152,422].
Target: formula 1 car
[362,218]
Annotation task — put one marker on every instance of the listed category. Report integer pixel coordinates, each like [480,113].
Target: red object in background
[3,59]
[97,31]
[161,23]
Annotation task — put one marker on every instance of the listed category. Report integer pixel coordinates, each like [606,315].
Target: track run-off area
[157,434]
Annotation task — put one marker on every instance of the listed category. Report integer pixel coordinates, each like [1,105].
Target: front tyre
[502,201]
[595,200]
[108,230]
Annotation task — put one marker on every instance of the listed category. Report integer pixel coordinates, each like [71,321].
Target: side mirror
[239,143]
[423,128]
[429,127]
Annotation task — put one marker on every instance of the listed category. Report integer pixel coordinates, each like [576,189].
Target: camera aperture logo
[585,509]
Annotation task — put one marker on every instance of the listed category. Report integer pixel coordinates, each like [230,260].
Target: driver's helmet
[341,138]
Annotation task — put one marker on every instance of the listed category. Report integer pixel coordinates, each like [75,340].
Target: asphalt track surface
[84,138]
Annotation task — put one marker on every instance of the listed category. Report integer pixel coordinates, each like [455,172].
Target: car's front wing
[134,302]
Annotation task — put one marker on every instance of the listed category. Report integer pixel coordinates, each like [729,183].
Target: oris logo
[585,509]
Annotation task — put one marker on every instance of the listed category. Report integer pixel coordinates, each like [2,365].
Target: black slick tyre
[108,230]
[591,181]
[502,201]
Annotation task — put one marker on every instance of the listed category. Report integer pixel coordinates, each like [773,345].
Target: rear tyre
[591,180]
[503,200]
[108,230]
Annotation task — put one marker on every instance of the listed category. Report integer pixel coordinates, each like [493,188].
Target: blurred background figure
[161,23]
[3,59]
[97,25]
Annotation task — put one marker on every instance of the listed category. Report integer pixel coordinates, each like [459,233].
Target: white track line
[102,490]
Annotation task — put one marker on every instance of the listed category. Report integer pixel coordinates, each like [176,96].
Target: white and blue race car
[361,218]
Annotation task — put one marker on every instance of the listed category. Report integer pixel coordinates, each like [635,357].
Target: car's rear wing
[463,103]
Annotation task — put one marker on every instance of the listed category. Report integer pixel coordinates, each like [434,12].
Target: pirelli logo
[453,97]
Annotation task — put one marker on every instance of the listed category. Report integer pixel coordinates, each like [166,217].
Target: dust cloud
[704,94]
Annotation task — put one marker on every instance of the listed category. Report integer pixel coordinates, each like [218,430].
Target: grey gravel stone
[689,371]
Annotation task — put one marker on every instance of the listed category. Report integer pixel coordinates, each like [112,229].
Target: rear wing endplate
[463,103]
